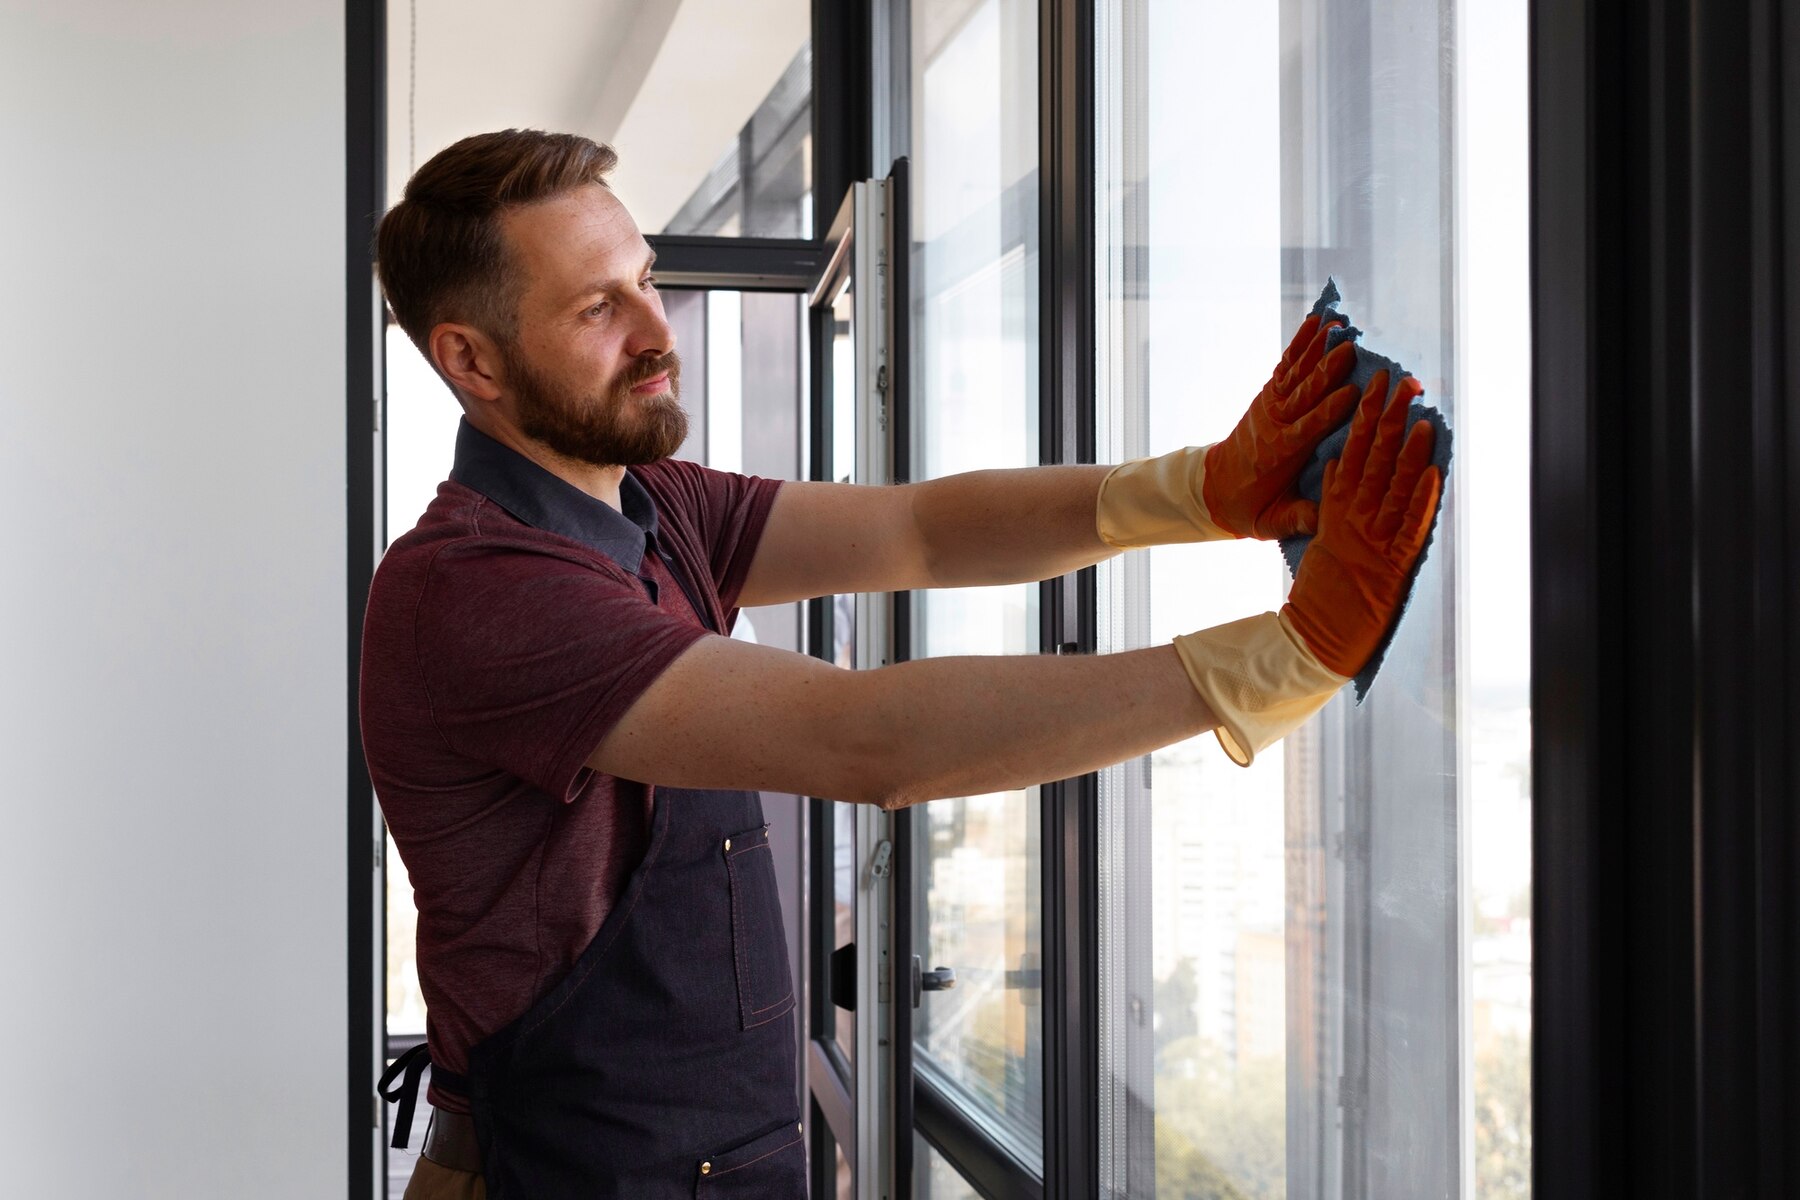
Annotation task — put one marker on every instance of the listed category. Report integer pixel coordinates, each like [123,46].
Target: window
[1315,972]
[761,184]
[708,103]
[977,893]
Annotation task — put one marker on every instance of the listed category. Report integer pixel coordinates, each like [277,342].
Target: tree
[1183,1172]
[1236,1112]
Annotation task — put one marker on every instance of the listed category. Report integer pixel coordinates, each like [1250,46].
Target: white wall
[172,589]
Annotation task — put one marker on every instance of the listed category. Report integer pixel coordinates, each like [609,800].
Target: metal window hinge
[879,862]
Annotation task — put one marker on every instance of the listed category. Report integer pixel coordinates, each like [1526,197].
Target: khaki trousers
[434,1181]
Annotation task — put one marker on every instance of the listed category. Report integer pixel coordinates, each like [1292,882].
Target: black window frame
[1666,566]
[365,159]
[1665,501]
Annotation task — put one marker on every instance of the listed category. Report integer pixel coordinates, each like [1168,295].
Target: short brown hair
[440,252]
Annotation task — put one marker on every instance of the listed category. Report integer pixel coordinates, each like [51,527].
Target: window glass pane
[934,1178]
[840,390]
[421,422]
[1316,972]
[1494,247]
[405,1003]
[973,123]
[708,102]
[843,907]
[846,1182]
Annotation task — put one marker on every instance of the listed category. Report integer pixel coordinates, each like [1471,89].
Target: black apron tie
[413,1062]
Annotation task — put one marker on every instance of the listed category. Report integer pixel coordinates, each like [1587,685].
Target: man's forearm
[1013,526]
[728,714]
[973,725]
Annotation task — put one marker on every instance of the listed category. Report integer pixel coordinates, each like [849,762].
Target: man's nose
[651,333]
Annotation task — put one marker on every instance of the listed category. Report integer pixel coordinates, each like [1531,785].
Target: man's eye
[648,281]
[597,309]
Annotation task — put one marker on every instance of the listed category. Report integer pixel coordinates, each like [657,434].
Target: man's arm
[728,714]
[1031,523]
[725,714]
[978,528]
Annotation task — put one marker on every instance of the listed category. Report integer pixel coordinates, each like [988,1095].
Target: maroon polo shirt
[505,635]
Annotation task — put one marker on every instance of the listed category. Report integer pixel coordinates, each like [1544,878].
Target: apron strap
[447,1080]
[413,1063]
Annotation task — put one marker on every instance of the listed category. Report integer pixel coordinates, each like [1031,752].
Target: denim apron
[663,1065]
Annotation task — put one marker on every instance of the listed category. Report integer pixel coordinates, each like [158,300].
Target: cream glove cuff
[1156,502]
[1259,678]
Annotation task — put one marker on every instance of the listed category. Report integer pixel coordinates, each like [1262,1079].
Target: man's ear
[467,359]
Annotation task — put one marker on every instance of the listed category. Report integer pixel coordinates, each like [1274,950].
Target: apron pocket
[769,1167]
[758,941]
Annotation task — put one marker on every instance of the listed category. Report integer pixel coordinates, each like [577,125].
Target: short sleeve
[728,511]
[530,658]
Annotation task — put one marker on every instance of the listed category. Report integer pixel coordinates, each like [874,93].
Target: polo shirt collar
[543,501]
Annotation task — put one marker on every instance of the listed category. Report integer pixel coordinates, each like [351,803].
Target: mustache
[649,368]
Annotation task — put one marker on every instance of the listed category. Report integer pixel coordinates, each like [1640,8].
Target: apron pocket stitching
[781,1010]
[745,879]
[765,1008]
[754,1161]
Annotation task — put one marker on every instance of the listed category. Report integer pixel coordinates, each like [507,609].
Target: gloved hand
[1378,502]
[1249,483]
[1244,485]
[1265,675]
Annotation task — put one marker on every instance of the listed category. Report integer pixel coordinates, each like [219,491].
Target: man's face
[592,372]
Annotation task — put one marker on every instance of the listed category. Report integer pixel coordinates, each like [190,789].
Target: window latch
[938,979]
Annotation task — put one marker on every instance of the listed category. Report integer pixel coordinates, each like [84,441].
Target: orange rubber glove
[1377,505]
[1248,488]
[1243,486]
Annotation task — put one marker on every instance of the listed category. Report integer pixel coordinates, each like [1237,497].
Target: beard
[611,428]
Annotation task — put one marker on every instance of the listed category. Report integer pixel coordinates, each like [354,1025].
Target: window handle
[938,979]
[843,976]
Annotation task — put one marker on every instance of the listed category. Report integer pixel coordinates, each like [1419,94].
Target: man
[568,747]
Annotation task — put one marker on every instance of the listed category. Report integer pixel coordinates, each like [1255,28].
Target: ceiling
[667,82]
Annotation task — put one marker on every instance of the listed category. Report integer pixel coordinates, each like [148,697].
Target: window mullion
[1068,435]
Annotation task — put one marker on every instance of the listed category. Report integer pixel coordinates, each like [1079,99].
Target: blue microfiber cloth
[1312,478]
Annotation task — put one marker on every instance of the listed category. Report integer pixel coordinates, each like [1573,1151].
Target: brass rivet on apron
[728,843]
[706,1168]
